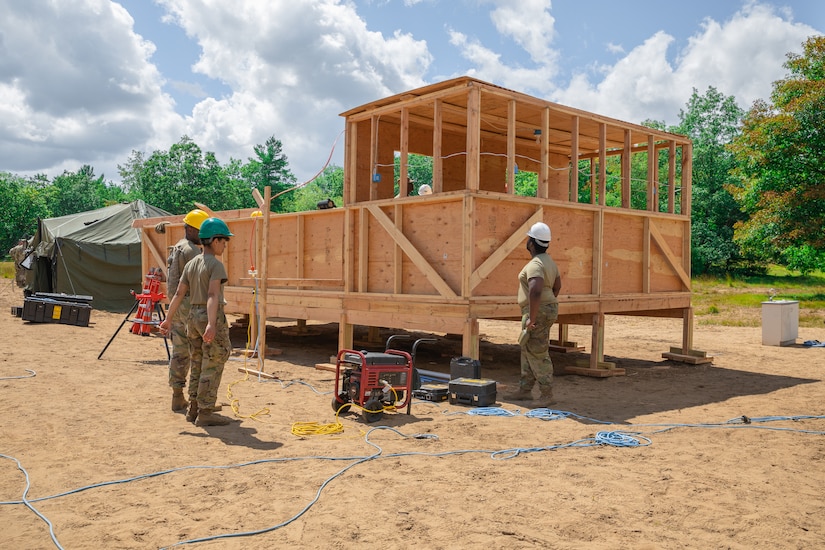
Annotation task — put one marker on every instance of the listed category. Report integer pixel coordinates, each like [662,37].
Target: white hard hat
[541,233]
[425,190]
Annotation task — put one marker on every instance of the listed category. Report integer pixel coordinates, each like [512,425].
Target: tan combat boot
[179,402]
[522,394]
[545,399]
[192,414]
[209,418]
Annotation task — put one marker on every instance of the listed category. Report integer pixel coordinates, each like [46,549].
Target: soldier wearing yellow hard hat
[181,254]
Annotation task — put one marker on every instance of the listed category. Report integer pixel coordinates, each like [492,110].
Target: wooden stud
[438,161]
[626,164]
[602,163]
[671,177]
[574,159]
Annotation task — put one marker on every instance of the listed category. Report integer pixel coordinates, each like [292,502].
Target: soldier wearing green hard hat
[208,332]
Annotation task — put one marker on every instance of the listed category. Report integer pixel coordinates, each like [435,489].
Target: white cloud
[293,67]
[740,57]
[75,86]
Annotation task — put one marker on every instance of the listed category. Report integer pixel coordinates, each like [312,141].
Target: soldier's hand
[161,227]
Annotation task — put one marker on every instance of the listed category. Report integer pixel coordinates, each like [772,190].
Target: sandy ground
[110,466]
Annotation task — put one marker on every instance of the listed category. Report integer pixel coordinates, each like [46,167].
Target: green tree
[712,121]
[328,185]
[270,167]
[24,201]
[174,180]
[781,162]
[73,192]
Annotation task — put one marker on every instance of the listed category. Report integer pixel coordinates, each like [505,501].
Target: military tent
[94,253]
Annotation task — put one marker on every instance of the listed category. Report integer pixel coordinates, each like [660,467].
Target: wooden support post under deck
[469,341]
[597,341]
[687,330]
[345,332]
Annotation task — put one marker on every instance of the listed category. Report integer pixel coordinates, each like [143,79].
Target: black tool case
[476,392]
[432,392]
[465,367]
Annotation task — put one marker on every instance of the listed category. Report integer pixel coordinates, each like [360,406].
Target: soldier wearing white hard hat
[539,286]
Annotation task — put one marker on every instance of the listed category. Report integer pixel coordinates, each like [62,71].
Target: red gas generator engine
[374,381]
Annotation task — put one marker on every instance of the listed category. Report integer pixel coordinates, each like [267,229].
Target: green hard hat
[214,227]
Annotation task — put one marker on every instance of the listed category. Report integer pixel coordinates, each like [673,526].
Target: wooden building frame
[442,262]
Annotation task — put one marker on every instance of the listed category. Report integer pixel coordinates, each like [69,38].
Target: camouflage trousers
[208,359]
[179,363]
[536,364]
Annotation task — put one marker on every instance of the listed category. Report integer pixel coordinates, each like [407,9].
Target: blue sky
[90,81]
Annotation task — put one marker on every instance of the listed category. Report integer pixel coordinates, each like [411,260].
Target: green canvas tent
[95,253]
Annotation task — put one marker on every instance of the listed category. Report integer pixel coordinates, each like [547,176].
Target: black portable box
[37,309]
[432,392]
[465,367]
[476,392]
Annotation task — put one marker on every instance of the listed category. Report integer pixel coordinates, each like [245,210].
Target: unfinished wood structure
[441,262]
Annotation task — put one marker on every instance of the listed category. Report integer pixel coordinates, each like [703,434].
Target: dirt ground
[109,465]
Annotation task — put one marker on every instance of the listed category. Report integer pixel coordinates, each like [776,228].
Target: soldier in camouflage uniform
[203,278]
[539,286]
[181,254]
[18,254]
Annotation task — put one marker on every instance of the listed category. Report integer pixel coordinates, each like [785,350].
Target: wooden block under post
[596,373]
[331,367]
[690,359]
[564,347]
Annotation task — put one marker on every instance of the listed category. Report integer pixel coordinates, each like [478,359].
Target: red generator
[373,381]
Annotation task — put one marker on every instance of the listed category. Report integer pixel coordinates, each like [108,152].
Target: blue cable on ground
[31,374]
[28,504]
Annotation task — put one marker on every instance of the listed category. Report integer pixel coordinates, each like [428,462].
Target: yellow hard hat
[195,218]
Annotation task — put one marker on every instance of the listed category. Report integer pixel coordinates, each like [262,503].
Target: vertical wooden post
[254,319]
[398,254]
[511,147]
[351,164]
[671,177]
[469,341]
[403,176]
[597,341]
[373,157]
[602,162]
[574,160]
[438,161]
[473,169]
[687,330]
[592,180]
[652,195]
[262,270]
[687,177]
[646,256]
[543,190]
[626,162]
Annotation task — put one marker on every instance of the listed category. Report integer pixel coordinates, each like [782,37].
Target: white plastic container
[780,322]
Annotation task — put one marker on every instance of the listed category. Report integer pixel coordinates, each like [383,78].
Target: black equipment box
[375,358]
[38,309]
[74,298]
[432,392]
[476,392]
[465,367]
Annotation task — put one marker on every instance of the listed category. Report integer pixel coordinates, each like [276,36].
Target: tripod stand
[146,303]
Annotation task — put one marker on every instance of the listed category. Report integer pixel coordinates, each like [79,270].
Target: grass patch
[7,270]
[727,301]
